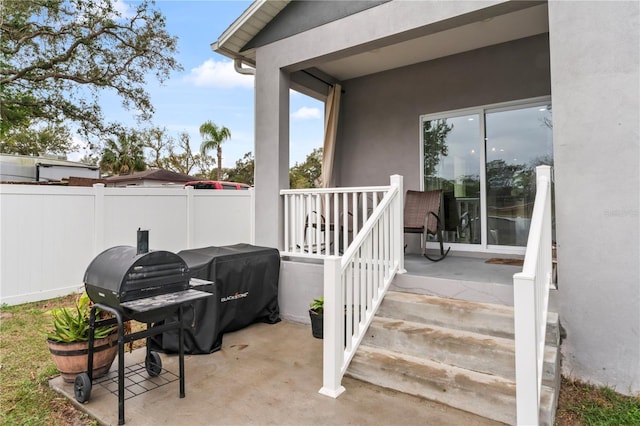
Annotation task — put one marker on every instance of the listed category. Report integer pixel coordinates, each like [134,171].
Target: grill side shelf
[162,301]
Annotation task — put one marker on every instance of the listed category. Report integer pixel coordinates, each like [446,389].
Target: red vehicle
[216,184]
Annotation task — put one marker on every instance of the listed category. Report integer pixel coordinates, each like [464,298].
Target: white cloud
[126,10]
[121,10]
[218,74]
[306,113]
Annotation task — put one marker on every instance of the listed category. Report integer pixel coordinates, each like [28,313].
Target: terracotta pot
[71,359]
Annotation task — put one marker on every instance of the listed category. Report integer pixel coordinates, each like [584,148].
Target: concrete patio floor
[263,375]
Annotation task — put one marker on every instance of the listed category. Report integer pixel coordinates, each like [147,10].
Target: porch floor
[461,268]
[264,374]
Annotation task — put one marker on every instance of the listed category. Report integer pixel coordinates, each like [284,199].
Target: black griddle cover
[245,291]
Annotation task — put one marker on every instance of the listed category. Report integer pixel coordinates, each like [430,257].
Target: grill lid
[120,274]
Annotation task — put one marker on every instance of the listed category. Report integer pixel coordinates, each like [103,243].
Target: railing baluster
[345,221]
[334,221]
[318,229]
[374,260]
[287,245]
[356,229]
[299,226]
[364,208]
[327,236]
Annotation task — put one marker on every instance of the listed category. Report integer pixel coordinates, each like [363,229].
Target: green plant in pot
[316,313]
[69,341]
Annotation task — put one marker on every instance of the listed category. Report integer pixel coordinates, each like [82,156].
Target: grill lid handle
[143,242]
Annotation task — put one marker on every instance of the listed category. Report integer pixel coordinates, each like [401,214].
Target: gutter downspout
[237,65]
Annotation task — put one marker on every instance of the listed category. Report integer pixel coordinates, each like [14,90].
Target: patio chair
[421,209]
[311,224]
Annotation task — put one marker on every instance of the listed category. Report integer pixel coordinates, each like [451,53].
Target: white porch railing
[355,284]
[319,222]
[531,300]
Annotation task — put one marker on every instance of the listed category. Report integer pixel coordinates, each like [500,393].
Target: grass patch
[26,366]
[584,404]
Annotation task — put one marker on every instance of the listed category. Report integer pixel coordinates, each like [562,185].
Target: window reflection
[452,164]
[516,142]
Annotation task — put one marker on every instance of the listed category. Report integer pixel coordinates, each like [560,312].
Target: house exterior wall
[395,21]
[393,101]
[595,84]
[593,51]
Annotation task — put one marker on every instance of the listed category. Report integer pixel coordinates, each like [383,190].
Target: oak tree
[58,56]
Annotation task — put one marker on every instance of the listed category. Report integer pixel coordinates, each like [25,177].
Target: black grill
[149,287]
[119,274]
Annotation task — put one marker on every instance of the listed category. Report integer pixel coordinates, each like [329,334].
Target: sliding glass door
[517,141]
[484,162]
[452,163]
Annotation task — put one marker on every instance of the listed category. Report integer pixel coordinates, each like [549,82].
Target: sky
[210,89]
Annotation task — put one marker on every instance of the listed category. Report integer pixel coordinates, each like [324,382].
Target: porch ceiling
[494,30]
[505,22]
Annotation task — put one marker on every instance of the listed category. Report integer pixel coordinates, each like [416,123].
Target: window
[484,162]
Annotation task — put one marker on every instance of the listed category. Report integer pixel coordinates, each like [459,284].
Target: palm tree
[213,137]
[124,155]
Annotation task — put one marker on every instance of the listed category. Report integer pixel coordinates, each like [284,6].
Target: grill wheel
[82,387]
[153,364]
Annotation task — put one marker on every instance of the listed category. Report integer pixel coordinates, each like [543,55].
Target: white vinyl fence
[49,235]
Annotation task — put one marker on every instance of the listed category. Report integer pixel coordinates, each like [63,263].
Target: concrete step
[485,318]
[464,349]
[490,396]
[456,352]
[473,351]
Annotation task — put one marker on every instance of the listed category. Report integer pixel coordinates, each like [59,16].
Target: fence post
[333,329]
[397,230]
[98,218]
[191,211]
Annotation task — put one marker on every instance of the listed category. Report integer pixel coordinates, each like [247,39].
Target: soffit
[499,29]
[246,27]
[502,28]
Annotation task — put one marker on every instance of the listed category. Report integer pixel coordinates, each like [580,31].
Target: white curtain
[331,114]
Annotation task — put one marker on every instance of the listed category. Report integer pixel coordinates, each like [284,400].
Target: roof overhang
[245,28]
[505,22]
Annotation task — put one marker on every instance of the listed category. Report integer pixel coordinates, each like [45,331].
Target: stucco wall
[300,283]
[593,79]
[595,54]
[380,115]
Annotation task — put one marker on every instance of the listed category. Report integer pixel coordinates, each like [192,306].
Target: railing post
[530,302]
[397,225]
[543,172]
[333,347]
[524,296]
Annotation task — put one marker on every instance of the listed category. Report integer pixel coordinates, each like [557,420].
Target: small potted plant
[316,315]
[68,342]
